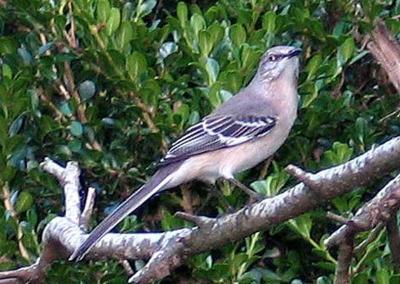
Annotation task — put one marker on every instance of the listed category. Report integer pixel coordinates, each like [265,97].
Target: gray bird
[242,132]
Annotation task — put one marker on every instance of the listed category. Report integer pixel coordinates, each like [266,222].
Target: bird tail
[157,183]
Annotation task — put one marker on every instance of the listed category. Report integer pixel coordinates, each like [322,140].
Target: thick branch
[168,250]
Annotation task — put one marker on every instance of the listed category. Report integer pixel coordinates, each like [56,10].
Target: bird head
[278,61]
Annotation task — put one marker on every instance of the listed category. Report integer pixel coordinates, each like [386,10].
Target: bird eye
[272,58]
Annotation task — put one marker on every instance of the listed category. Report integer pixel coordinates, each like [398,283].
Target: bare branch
[88,209]
[342,273]
[168,250]
[200,221]
[69,179]
[337,218]
[127,267]
[308,179]
[378,210]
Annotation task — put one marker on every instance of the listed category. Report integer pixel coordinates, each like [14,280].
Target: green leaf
[249,57]
[7,72]
[313,65]
[212,68]
[205,43]
[273,183]
[197,23]
[113,21]
[76,128]
[7,45]
[86,90]
[136,64]
[24,202]
[302,225]
[213,94]
[102,11]
[269,20]
[360,278]
[182,13]
[340,153]
[75,145]
[32,217]
[16,125]
[382,276]
[145,8]
[183,112]
[194,118]
[361,130]
[346,50]
[238,34]
[215,34]
[124,35]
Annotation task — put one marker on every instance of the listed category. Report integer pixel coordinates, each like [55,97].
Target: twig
[58,114]
[198,220]
[264,169]
[148,117]
[69,179]
[72,39]
[88,209]
[14,215]
[337,218]
[308,179]
[127,267]
[68,89]
[371,237]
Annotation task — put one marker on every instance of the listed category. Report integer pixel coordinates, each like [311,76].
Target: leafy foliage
[111,83]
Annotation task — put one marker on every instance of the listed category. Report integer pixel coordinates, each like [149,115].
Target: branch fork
[168,250]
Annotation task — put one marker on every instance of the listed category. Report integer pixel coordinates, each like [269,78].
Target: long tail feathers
[156,184]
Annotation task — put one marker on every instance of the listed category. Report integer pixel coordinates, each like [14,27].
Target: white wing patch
[218,132]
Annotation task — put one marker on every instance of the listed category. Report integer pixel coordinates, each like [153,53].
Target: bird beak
[294,52]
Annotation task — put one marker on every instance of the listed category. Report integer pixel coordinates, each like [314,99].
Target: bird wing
[217,132]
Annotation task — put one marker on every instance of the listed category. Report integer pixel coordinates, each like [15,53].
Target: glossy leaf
[136,64]
[86,90]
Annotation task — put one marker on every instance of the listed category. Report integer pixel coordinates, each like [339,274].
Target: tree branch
[169,250]
[376,211]
[342,273]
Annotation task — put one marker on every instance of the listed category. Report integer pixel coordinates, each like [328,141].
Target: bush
[111,83]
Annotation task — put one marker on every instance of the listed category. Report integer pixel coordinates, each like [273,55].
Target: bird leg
[214,192]
[254,196]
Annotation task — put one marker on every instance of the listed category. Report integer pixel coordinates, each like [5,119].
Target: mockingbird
[242,132]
